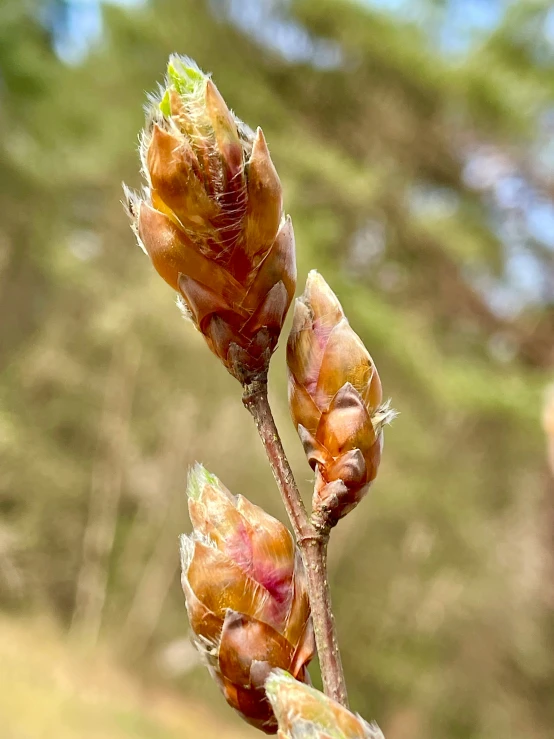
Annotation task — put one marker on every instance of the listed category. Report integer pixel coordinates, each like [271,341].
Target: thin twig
[256,401]
[314,554]
[312,542]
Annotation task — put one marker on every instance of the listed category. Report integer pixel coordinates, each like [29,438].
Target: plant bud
[304,713]
[335,400]
[246,596]
[211,220]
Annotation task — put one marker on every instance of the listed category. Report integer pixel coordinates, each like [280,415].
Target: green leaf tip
[198,478]
[276,678]
[165,104]
[185,75]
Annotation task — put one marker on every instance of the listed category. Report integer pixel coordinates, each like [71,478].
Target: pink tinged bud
[304,713]
[335,399]
[246,595]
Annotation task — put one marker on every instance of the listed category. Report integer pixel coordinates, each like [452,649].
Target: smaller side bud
[304,713]
[336,401]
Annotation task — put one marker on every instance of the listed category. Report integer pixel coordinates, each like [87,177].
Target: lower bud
[304,713]
[246,596]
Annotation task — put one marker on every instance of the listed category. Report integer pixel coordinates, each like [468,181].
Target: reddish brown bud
[246,596]
[304,713]
[335,399]
[211,220]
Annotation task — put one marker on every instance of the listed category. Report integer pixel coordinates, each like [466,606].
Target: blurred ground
[49,688]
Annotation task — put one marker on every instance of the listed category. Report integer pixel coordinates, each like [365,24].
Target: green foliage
[185,75]
[442,577]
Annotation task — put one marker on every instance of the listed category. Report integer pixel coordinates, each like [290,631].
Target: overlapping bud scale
[211,219]
[304,713]
[335,399]
[246,596]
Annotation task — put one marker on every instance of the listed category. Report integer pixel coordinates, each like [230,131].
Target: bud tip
[198,477]
[185,74]
[277,677]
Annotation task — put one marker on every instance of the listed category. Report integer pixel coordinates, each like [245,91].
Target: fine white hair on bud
[186,551]
[131,203]
[184,309]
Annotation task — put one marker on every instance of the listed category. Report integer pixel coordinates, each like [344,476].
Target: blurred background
[414,141]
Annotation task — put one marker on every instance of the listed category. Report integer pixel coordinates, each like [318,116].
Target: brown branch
[312,541]
[314,554]
[256,401]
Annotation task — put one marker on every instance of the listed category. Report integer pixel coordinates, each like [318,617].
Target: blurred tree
[420,180]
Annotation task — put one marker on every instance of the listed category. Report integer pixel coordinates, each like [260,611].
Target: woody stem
[312,541]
